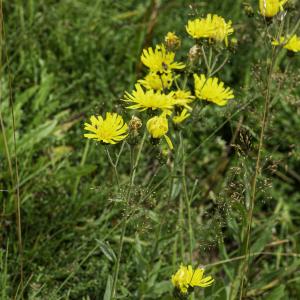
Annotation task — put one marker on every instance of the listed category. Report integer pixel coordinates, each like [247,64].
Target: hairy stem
[245,267]
[113,165]
[187,202]
[134,164]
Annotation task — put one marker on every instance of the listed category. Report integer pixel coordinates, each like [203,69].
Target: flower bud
[158,128]
[248,9]
[194,53]
[172,41]
[134,125]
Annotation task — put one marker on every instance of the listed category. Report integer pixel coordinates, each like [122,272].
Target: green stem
[245,266]
[138,156]
[181,226]
[114,166]
[206,61]
[134,164]
[119,255]
[187,202]
[83,159]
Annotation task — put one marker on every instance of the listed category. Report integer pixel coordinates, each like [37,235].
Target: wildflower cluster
[163,92]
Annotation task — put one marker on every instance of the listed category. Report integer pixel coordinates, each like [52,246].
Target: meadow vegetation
[202,176]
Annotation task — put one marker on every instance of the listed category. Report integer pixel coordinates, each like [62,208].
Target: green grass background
[65,60]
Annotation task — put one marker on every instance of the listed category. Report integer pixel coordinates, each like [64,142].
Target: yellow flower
[157,82]
[200,28]
[222,29]
[211,89]
[172,41]
[179,118]
[212,27]
[160,60]
[186,277]
[158,127]
[149,99]
[183,98]
[109,131]
[270,8]
[291,44]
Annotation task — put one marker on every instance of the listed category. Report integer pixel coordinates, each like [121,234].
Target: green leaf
[73,172]
[107,250]
[263,239]
[108,289]
[44,91]
[35,136]
[162,287]
[276,294]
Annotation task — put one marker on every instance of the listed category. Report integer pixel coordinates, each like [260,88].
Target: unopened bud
[248,9]
[172,41]
[194,53]
[135,123]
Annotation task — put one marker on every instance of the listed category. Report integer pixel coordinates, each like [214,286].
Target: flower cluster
[164,92]
[186,279]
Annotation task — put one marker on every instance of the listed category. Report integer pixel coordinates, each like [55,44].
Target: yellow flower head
[109,131]
[211,89]
[149,99]
[183,98]
[160,60]
[270,8]
[172,41]
[199,28]
[158,127]
[291,44]
[212,27]
[186,277]
[179,118]
[221,29]
[157,82]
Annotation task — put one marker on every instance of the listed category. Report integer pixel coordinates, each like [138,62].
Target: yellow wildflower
[186,278]
[211,89]
[270,8]
[212,27]
[157,82]
[291,44]
[183,98]
[180,117]
[160,60]
[149,99]
[158,127]
[109,131]
[221,29]
[172,41]
[200,28]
